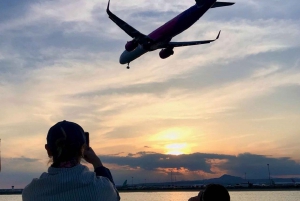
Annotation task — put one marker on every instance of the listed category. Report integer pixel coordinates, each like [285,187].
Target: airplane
[124,185]
[161,37]
[296,183]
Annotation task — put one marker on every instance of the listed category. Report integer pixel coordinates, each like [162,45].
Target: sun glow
[174,141]
[176,149]
[172,134]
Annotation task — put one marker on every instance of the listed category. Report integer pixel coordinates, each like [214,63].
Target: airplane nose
[127,57]
[123,59]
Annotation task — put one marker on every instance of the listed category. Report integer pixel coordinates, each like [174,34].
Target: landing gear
[128,67]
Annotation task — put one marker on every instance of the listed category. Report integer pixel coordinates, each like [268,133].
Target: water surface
[184,196]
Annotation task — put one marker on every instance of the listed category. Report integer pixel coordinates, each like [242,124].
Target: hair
[65,152]
[215,192]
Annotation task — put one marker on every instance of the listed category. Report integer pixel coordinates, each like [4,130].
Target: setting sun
[176,149]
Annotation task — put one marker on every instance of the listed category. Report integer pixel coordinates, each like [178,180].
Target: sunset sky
[228,107]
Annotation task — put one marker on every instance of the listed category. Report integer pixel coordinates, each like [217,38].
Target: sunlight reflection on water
[235,196]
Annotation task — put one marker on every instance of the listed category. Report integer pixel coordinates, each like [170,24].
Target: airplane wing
[221,4]
[182,44]
[124,26]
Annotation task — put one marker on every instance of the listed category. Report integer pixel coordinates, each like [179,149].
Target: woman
[67,179]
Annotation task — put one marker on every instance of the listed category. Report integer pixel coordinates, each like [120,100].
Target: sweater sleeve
[105,172]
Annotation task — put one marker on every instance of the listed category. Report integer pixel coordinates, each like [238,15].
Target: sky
[229,107]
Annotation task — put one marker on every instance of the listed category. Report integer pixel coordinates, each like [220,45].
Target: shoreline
[19,191]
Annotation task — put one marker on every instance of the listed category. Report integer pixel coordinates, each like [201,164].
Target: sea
[184,196]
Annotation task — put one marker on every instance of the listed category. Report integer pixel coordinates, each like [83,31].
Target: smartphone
[87,138]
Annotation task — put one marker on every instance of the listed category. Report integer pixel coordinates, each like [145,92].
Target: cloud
[26,164]
[254,165]
[266,71]
[257,165]
[156,167]
[19,172]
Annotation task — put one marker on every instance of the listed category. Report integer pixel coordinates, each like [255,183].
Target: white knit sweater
[70,184]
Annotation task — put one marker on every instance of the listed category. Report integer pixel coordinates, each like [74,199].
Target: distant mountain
[229,180]
[226,179]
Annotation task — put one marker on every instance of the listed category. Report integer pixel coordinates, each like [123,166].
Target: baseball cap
[70,133]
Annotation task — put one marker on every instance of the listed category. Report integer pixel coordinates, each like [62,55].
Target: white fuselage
[126,57]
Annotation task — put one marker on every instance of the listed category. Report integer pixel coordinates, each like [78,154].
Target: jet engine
[131,45]
[165,53]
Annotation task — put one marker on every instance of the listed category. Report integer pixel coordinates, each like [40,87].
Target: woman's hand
[91,157]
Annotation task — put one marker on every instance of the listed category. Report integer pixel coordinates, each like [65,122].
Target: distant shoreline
[19,191]
[11,192]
